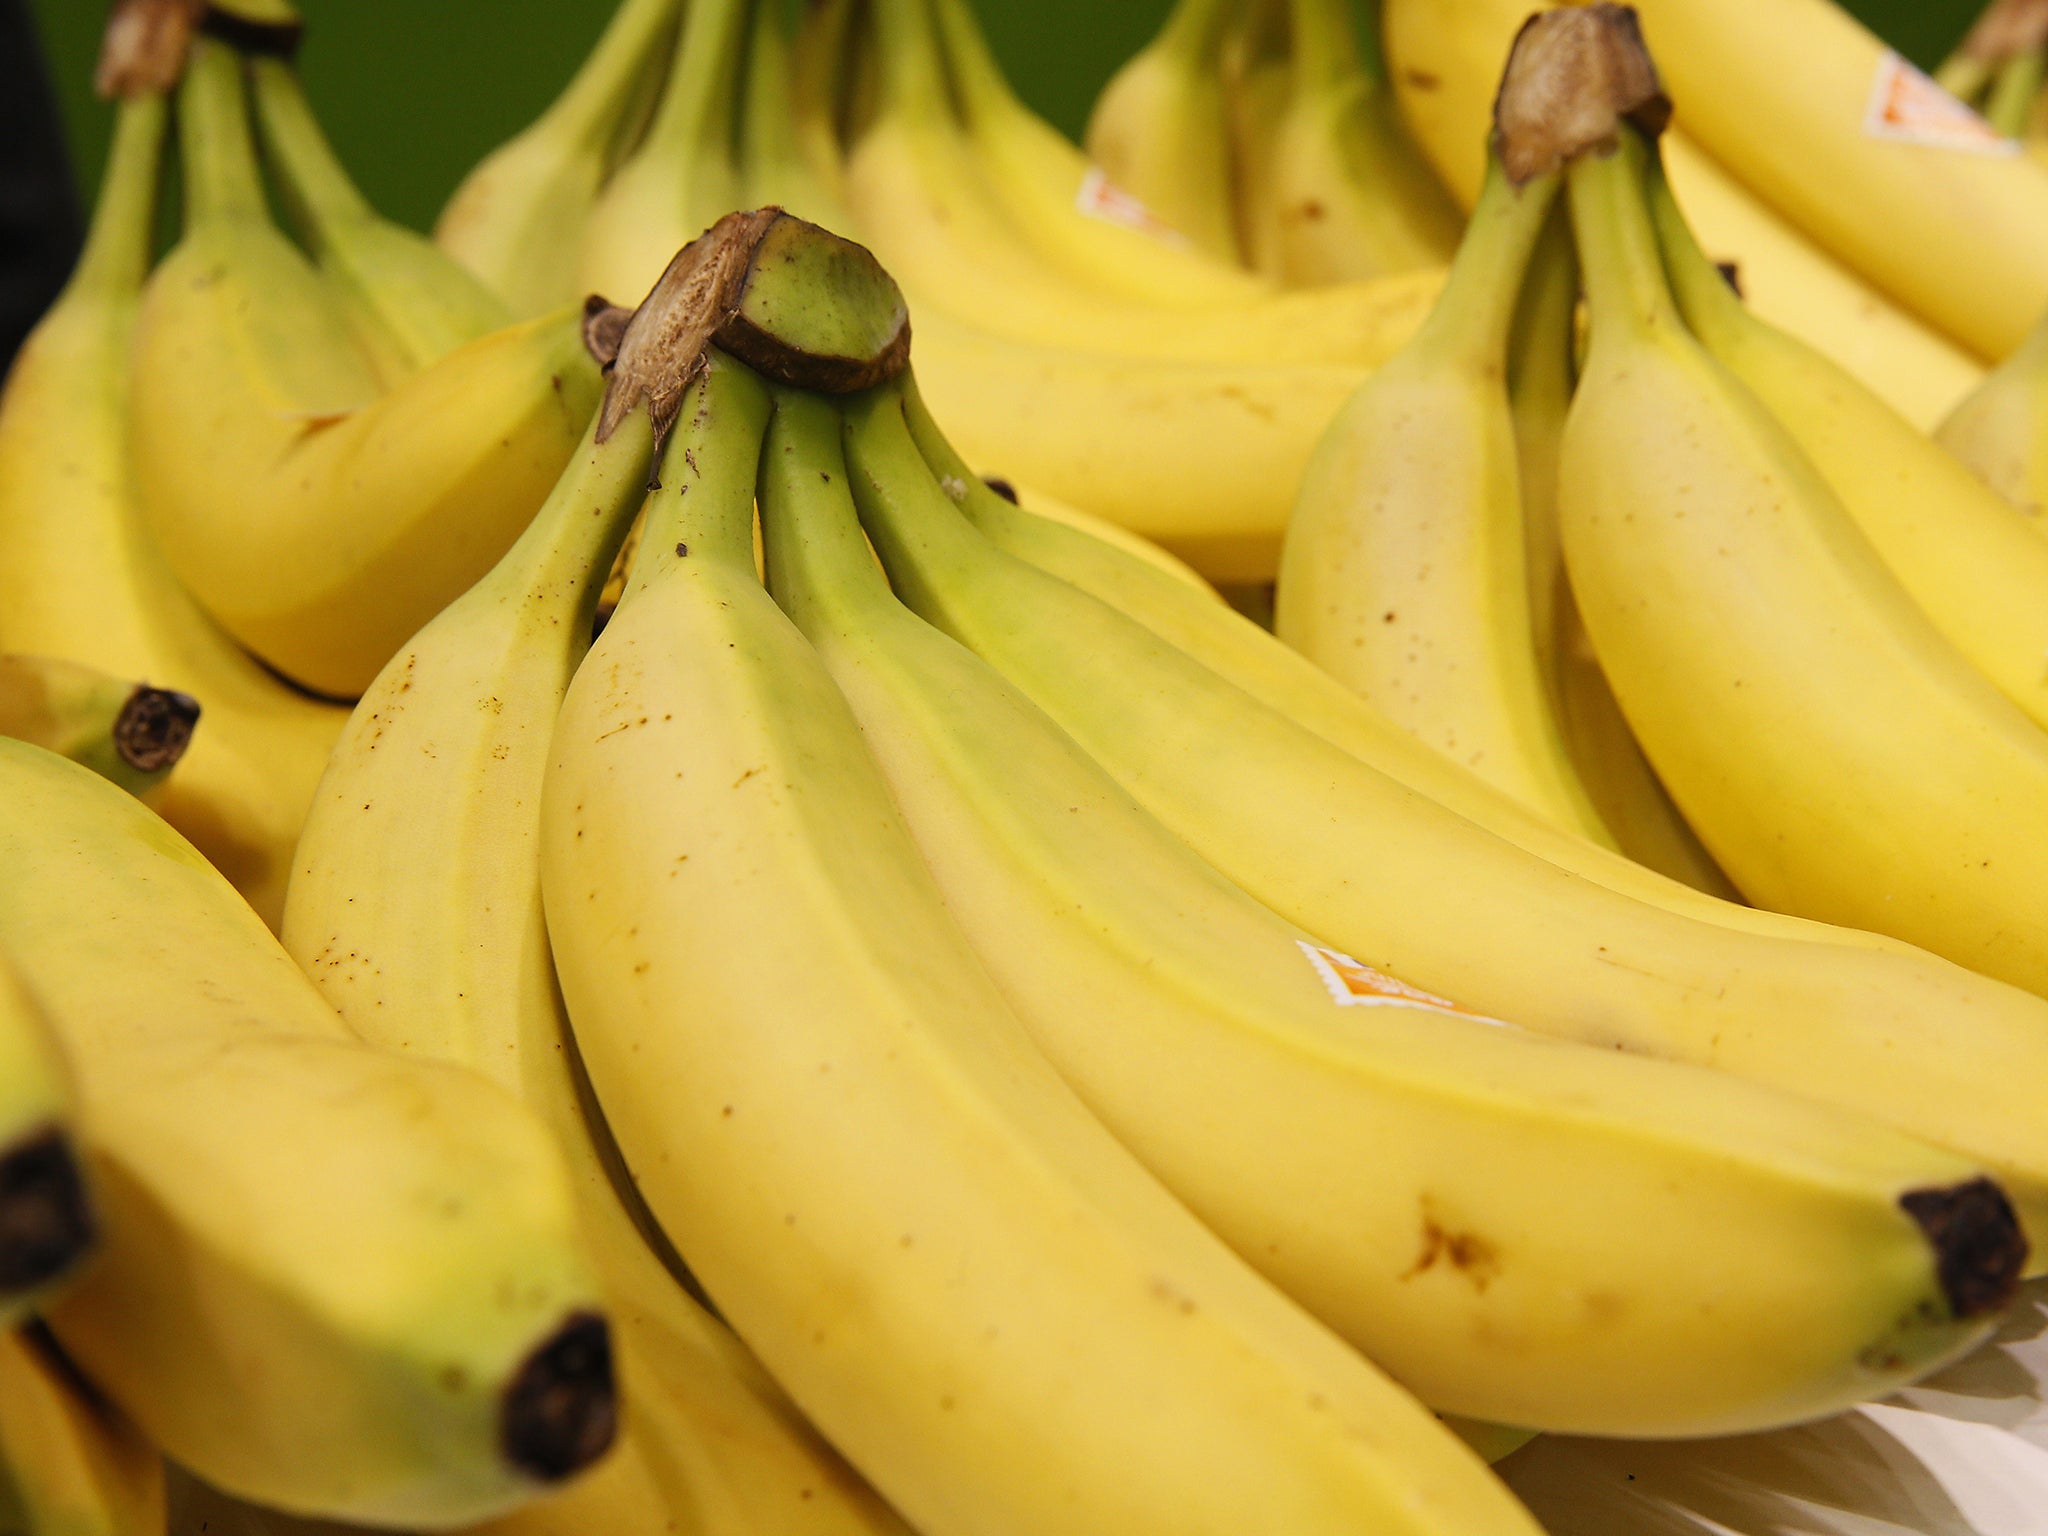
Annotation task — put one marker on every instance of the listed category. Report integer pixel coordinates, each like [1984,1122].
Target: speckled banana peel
[329,1278]
[1762,1250]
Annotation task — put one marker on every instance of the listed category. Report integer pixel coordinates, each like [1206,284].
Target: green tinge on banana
[70,1465]
[330,1278]
[128,732]
[410,302]
[1380,871]
[961,1278]
[47,1219]
[1202,1031]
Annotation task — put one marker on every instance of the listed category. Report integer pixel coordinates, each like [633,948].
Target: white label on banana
[1354,984]
[1908,106]
[1101,198]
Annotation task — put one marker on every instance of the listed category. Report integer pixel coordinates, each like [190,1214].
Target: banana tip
[154,728]
[46,1221]
[561,1410]
[1978,1245]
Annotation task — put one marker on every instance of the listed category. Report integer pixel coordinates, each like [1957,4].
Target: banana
[128,732]
[1445,60]
[1200,1028]
[435,788]
[967,1285]
[1838,756]
[410,303]
[1379,871]
[330,1279]
[1973,565]
[1860,178]
[1035,503]
[1160,128]
[684,175]
[1344,193]
[1404,572]
[917,192]
[1202,458]
[318,518]
[70,1465]
[1226,644]
[1997,431]
[90,584]
[1604,755]
[517,220]
[1061,202]
[47,1223]
[778,162]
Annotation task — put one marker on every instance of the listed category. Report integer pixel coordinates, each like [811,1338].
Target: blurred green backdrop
[414,91]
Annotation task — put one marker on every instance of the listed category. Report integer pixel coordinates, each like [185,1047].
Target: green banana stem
[697,511]
[592,104]
[817,558]
[319,196]
[1475,312]
[983,87]
[1964,76]
[1325,48]
[119,242]
[1710,305]
[913,73]
[215,145]
[695,118]
[1539,392]
[2011,103]
[1625,284]
[1197,30]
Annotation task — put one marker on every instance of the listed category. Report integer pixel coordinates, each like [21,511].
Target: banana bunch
[329,443]
[1445,58]
[1999,68]
[1283,152]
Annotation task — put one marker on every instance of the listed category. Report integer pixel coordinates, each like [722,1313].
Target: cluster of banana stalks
[862,1007]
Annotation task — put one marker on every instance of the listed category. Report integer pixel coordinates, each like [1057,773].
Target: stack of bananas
[708,971]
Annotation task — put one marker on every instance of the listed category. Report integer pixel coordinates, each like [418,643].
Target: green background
[413,92]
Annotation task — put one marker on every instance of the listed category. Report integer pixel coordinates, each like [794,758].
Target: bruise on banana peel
[1572,75]
[46,1222]
[794,302]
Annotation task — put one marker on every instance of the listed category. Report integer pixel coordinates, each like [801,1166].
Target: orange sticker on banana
[1354,984]
[1908,106]
[1101,198]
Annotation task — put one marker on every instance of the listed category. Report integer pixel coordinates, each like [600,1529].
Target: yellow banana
[1876,157]
[321,525]
[330,1278]
[1062,203]
[1203,1030]
[1835,753]
[968,1286]
[1383,873]
[435,787]
[1035,503]
[1445,60]
[1973,565]
[1404,572]
[128,732]
[1343,194]
[517,220]
[81,576]
[1160,128]
[70,1465]
[684,174]
[46,1218]
[410,303]
[1999,431]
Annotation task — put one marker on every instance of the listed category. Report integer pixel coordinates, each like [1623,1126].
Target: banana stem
[318,192]
[914,526]
[1625,285]
[1964,76]
[591,104]
[1709,305]
[913,74]
[984,89]
[2011,103]
[215,146]
[703,508]
[120,240]
[1325,43]
[818,561]
[1197,30]
[1475,312]
[695,119]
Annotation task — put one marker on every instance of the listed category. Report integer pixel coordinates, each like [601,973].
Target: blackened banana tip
[46,1220]
[561,1411]
[154,727]
[1978,1245]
